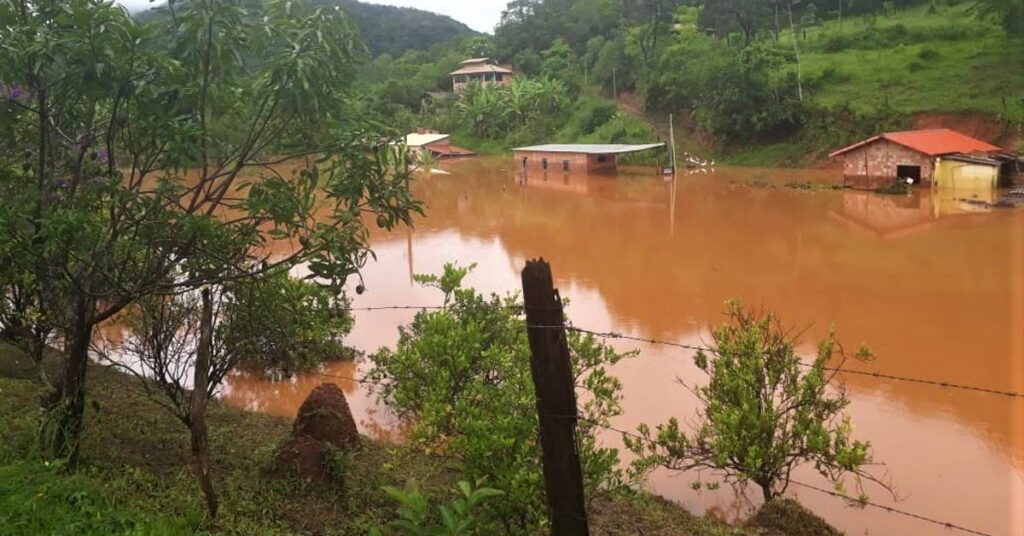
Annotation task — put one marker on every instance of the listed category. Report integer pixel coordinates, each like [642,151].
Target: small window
[544,163]
[602,158]
[498,77]
[565,165]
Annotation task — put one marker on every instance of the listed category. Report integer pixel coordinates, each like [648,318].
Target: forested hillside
[776,81]
[386,29]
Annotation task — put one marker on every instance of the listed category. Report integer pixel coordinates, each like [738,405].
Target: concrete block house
[575,158]
[915,156]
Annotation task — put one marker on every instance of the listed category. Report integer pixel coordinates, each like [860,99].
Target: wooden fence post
[552,374]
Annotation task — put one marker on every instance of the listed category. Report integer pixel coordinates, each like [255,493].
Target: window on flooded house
[602,158]
[565,165]
[544,163]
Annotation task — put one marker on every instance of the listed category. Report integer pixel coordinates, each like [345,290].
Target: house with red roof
[921,156]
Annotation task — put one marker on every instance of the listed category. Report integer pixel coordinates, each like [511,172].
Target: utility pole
[615,85]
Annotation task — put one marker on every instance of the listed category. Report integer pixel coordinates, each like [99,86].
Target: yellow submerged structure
[966,172]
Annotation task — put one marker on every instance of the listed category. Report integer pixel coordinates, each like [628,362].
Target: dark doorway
[909,172]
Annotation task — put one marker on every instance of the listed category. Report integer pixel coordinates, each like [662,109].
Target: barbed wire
[935,383]
[361,381]
[622,336]
[892,510]
[398,307]
[878,375]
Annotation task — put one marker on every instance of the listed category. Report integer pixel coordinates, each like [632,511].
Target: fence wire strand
[877,375]
[890,509]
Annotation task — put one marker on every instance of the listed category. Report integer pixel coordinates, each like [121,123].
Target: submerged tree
[167,158]
[763,412]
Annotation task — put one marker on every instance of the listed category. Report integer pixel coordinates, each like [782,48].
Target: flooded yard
[932,284]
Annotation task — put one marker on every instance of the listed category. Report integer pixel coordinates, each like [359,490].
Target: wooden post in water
[672,140]
[551,369]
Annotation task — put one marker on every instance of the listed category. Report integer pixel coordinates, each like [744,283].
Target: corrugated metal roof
[608,148]
[973,159]
[934,142]
[419,140]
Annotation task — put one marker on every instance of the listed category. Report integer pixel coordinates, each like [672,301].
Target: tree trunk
[64,411]
[197,421]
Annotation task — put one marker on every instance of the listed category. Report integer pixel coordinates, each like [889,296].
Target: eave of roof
[477,69]
[610,148]
[420,140]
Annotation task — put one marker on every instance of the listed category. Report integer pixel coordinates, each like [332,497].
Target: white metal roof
[419,140]
[608,148]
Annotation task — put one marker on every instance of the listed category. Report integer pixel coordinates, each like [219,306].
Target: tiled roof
[935,142]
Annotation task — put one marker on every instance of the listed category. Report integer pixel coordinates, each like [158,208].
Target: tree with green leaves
[173,155]
[763,412]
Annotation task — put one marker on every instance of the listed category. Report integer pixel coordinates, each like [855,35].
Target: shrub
[462,374]
[763,411]
[417,515]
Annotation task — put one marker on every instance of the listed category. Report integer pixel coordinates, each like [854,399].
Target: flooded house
[943,156]
[435,143]
[484,71]
[583,158]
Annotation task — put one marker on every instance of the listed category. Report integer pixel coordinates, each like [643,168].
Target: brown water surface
[934,285]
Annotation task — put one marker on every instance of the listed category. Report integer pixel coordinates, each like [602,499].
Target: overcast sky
[480,15]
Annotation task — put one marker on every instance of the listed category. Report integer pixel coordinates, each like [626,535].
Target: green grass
[135,476]
[591,119]
[947,61]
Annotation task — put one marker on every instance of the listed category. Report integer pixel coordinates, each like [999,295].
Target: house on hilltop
[484,71]
[943,156]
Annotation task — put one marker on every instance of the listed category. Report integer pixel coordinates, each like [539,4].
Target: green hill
[933,60]
[385,29]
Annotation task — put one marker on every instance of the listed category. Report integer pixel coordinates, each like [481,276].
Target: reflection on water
[934,286]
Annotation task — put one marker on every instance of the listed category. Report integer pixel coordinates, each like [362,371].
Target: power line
[890,509]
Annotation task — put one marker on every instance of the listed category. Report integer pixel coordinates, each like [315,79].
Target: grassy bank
[590,119]
[919,60]
[136,478]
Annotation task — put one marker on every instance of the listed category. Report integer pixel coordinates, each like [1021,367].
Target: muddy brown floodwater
[933,285]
